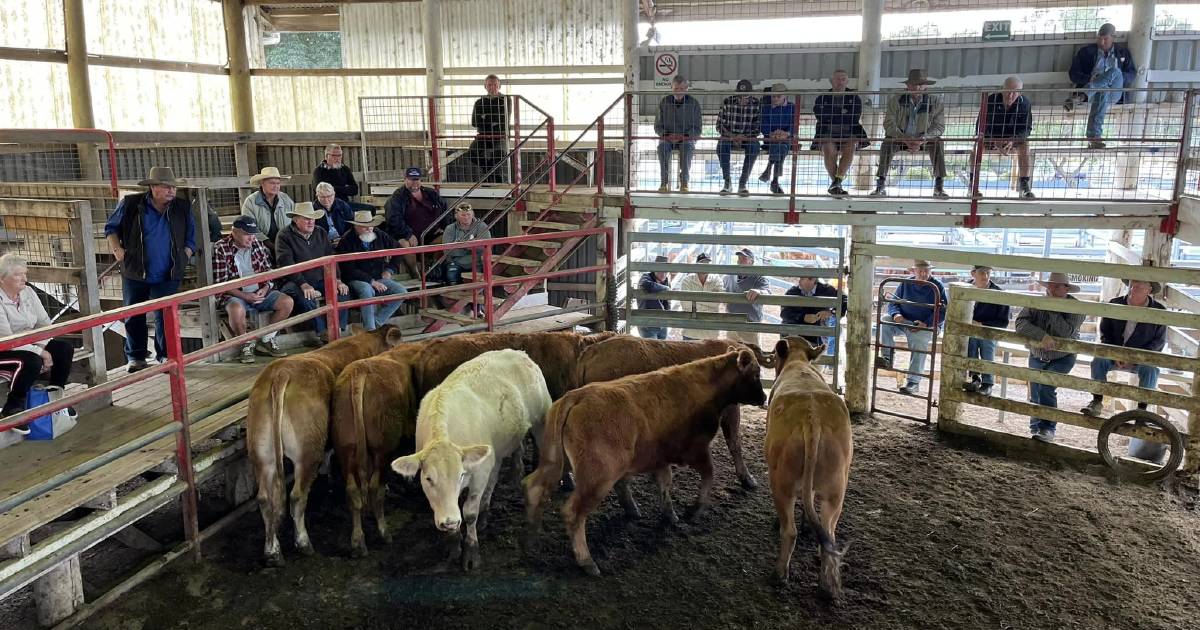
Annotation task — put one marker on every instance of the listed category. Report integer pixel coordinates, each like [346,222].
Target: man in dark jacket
[917,323]
[412,210]
[152,235]
[301,241]
[1129,334]
[372,276]
[489,117]
[678,125]
[808,286]
[655,282]
[333,171]
[1104,65]
[839,129]
[1007,123]
[994,315]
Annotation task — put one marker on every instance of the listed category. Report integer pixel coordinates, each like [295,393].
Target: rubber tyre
[1153,420]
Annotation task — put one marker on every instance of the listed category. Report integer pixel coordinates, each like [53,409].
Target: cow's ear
[355,329]
[781,351]
[393,337]
[745,360]
[815,352]
[407,466]
[472,456]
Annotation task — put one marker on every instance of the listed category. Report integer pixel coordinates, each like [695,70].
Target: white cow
[478,416]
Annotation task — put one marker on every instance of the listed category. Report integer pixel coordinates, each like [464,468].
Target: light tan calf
[808,448]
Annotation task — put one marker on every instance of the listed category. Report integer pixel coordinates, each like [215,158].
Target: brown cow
[625,355]
[289,417]
[637,424]
[374,407]
[808,449]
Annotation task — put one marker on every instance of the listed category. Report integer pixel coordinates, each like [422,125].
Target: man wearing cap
[985,314]
[751,286]
[370,277]
[268,206]
[489,117]
[152,235]
[1129,334]
[778,130]
[677,125]
[810,286]
[333,171]
[839,129]
[917,323]
[738,123]
[655,282]
[1007,123]
[410,211]
[1104,65]
[465,228]
[241,255]
[1042,326]
[299,242]
[913,121]
[705,282]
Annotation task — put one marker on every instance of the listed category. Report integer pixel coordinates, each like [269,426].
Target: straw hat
[366,218]
[162,176]
[268,172]
[305,209]
[1060,278]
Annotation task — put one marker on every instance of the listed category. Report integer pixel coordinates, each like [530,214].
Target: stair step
[542,244]
[444,315]
[560,207]
[550,225]
[467,295]
[513,260]
[415,285]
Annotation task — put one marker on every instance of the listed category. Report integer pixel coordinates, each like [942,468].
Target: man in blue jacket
[914,321]
[654,282]
[985,314]
[1104,65]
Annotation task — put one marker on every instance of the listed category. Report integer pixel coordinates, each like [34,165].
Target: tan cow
[289,417]
[808,450]
[625,355]
[637,424]
[374,408]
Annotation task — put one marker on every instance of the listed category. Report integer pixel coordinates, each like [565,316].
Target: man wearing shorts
[839,129]
[1007,122]
[241,255]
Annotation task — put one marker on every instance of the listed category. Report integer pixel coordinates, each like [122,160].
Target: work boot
[776,189]
[1094,408]
[766,175]
[1096,143]
[973,385]
[880,188]
[1026,188]
[743,191]
[665,188]
[136,365]
[727,188]
[985,390]
[938,191]
[683,187]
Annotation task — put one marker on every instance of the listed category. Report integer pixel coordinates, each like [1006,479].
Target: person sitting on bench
[21,311]
[1007,123]
[241,255]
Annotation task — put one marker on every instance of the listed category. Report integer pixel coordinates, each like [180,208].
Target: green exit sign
[997,30]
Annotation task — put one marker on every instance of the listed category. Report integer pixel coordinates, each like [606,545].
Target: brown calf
[374,407]
[808,448]
[288,417]
[625,355]
[637,424]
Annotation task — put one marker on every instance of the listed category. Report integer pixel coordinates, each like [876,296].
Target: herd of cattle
[608,406]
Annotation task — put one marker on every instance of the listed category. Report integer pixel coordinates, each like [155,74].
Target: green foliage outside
[306,50]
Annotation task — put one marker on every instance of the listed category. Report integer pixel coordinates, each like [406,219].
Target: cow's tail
[362,463]
[552,457]
[812,442]
[278,392]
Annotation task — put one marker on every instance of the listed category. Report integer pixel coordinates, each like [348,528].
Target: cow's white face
[445,471]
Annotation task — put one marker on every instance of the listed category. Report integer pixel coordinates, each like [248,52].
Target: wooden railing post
[958,310]
[858,322]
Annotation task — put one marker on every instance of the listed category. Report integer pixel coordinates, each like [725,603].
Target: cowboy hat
[1155,287]
[921,264]
[268,172]
[162,176]
[1060,278]
[918,76]
[365,218]
[305,209]
[778,87]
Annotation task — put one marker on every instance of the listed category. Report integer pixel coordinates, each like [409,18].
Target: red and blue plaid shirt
[225,267]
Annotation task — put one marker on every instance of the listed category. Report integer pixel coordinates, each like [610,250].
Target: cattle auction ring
[1143,418]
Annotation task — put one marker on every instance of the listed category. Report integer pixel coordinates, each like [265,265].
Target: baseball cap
[745,251]
[246,224]
[412,172]
[703,258]
[744,85]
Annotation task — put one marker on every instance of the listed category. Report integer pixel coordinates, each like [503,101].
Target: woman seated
[20,311]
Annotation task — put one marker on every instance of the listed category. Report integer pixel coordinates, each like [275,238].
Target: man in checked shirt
[739,123]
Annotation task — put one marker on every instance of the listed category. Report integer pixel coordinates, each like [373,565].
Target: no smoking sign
[666,66]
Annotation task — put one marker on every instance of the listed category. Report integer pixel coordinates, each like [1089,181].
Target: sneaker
[269,348]
[878,192]
[247,354]
[938,193]
[1044,435]
[743,192]
[665,188]
[909,389]
[322,338]
[1069,104]
[1096,144]
[985,390]
[726,189]
[136,365]
[884,363]
[776,189]
[1027,194]
[972,385]
[1093,409]
[683,188]
[838,191]
[766,176]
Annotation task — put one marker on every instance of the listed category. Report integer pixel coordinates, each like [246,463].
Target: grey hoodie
[742,284]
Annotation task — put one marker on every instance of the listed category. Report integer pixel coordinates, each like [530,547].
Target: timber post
[953,345]
[858,322]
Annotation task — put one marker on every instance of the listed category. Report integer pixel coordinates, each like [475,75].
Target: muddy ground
[940,536]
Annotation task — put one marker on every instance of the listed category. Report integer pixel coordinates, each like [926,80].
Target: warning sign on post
[666,66]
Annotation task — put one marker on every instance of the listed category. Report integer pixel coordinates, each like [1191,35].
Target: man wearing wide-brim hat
[152,235]
[913,121]
[1042,327]
[269,205]
[370,277]
[1131,334]
[302,241]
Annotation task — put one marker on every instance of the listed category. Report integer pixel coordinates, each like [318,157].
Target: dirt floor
[940,537]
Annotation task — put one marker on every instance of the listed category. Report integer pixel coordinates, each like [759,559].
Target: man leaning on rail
[919,322]
[1042,326]
[985,314]
[1129,334]
[152,235]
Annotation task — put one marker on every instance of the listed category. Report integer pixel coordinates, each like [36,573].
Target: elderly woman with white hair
[338,213]
[20,311]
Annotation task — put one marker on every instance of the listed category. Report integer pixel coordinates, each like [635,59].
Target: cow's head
[387,335]
[748,389]
[765,359]
[789,349]
[445,470]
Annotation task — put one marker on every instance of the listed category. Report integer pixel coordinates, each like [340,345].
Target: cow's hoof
[306,549]
[633,513]
[748,482]
[590,568]
[358,551]
[275,560]
[567,483]
[669,519]
[696,511]
[471,560]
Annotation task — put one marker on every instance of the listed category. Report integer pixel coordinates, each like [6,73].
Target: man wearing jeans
[370,277]
[985,314]
[1042,326]
[655,282]
[738,124]
[907,316]
[301,241]
[677,125]
[152,235]
[1104,65]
